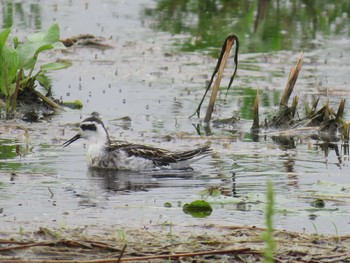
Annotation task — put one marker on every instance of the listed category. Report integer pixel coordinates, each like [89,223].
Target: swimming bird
[105,153]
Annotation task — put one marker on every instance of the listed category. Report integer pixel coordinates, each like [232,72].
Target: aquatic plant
[268,235]
[198,208]
[19,60]
[323,123]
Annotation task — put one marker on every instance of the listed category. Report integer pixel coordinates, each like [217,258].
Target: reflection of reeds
[230,41]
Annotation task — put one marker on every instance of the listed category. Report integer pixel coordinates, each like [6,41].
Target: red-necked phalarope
[121,155]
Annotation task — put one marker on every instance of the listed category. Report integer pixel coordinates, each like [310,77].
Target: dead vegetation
[224,244]
[324,123]
[86,40]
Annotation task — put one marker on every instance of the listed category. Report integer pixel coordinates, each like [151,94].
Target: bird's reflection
[129,181]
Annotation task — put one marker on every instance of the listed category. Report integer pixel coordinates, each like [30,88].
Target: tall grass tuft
[267,236]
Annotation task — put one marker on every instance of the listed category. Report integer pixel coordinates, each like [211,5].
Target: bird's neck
[97,145]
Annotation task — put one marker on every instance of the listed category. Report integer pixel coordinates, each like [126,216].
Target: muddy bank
[168,242]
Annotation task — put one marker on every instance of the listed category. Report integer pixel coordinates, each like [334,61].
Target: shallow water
[150,80]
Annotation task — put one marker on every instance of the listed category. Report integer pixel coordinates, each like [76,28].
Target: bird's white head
[93,130]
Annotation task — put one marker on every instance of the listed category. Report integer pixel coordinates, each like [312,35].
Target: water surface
[155,76]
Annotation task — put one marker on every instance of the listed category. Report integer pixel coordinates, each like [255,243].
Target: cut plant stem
[225,50]
[48,101]
[230,41]
[292,79]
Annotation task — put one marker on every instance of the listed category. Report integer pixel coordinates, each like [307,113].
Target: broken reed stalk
[219,68]
[293,108]
[48,101]
[340,110]
[292,79]
[346,132]
[229,43]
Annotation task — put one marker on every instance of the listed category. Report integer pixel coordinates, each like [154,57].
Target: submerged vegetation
[18,64]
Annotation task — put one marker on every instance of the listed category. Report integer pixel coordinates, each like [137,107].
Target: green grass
[268,235]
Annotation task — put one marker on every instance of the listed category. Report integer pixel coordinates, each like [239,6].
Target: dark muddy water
[155,75]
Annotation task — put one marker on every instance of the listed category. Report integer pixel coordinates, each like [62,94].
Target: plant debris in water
[86,40]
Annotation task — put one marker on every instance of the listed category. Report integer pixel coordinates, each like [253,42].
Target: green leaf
[9,65]
[56,65]
[15,42]
[29,51]
[51,35]
[44,81]
[58,45]
[3,37]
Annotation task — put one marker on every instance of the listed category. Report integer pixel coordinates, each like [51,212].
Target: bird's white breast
[99,158]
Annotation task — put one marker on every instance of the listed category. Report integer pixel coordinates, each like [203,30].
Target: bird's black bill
[76,137]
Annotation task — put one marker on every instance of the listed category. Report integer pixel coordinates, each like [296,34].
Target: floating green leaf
[167,205]
[198,208]
[77,104]
[318,203]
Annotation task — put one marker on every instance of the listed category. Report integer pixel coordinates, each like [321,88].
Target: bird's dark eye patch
[89,127]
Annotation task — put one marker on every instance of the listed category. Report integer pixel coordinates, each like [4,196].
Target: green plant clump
[18,62]
[198,208]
